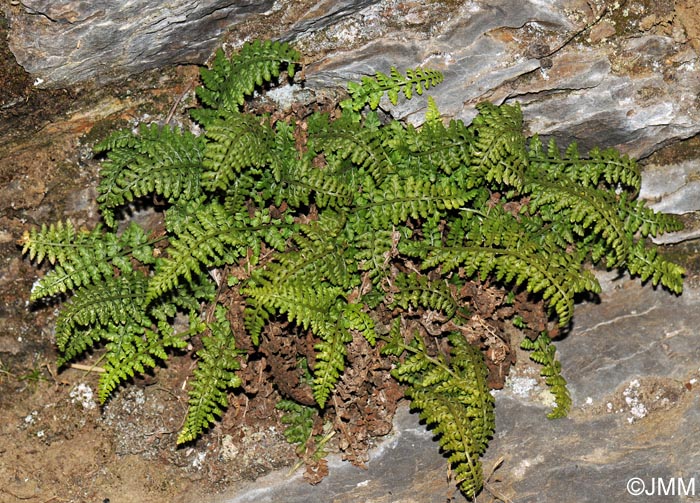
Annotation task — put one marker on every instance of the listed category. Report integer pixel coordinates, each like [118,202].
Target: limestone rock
[619,75]
[601,78]
[69,41]
[406,467]
[631,364]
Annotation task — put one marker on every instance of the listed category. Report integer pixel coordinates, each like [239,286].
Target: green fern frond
[308,305]
[373,250]
[455,401]
[117,300]
[591,211]
[300,183]
[649,265]
[237,142]
[469,361]
[400,198]
[299,420]
[498,152]
[330,360]
[55,242]
[360,142]
[495,245]
[214,376]
[639,218]
[394,343]
[420,291]
[129,350]
[601,169]
[160,160]
[311,306]
[558,277]
[543,352]
[445,149]
[206,242]
[79,257]
[229,81]
[371,90]
[355,318]
[82,258]
[255,317]
[320,254]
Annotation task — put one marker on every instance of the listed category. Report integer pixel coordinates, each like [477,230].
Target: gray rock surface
[406,467]
[634,90]
[674,188]
[632,362]
[67,41]
[623,74]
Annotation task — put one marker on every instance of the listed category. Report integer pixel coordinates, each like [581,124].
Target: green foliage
[231,80]
[214,376]
[543,352]
[299,420]
[372,89]
[163,161]
[453,398]
[340,225]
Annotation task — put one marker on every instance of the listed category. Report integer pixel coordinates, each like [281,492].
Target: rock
[578,81]
[619,75]
[671,184]
[68,42]
[631,361]
[406,467]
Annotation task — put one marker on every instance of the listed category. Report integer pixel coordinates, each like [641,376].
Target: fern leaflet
[543,352]
[214,376]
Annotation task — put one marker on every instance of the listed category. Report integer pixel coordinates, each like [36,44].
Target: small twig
[500,497]
[87,368]
[173,108]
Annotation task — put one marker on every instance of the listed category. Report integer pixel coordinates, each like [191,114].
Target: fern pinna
[341,224]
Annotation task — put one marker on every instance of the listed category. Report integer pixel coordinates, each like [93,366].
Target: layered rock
[70,41]
[624,75]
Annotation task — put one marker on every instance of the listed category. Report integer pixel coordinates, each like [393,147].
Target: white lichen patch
[198,461]
[521,386]
[31,417]
[636,408]
[284,96]
[83,394]
[546,397]
[521,470]
[642,397]
[229,449]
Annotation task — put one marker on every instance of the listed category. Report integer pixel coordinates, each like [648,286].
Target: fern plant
[345,227]
[543,352]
